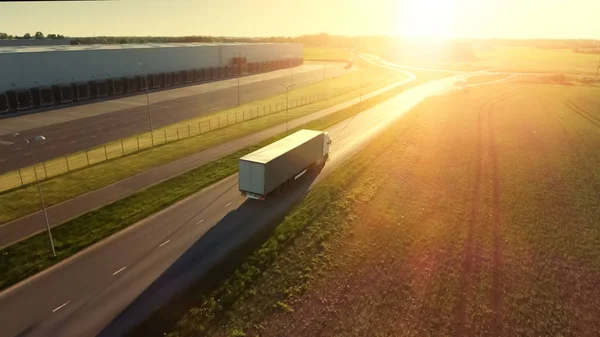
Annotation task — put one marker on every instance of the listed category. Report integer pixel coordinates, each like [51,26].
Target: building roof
[276,149]
[43,49]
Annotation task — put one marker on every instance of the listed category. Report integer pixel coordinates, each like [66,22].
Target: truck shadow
[207,263]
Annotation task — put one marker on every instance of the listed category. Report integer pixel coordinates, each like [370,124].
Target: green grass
[19,202]
[325,53]
[476,213]
[30,256]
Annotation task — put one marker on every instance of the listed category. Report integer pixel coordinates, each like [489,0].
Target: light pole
[239,66]
[287,102]
[141,64]
[39,187]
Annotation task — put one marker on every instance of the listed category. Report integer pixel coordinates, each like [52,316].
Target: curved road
[83,133]
[116,282]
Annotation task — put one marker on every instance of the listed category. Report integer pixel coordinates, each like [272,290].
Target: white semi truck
[264,170]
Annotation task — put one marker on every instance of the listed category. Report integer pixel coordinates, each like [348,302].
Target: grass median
[122,164]
[476,212]
[31,256]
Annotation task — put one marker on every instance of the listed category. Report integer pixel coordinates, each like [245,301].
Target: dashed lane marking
[60,307]
[118,271]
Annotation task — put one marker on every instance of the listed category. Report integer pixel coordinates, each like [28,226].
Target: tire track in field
[467,266]
[579,157]
[582,112]
[497,265]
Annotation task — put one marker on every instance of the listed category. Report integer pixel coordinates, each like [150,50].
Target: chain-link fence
[116,149]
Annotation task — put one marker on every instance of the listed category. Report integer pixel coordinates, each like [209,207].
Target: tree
[39,35]
[27,36]
[3,36]
[51,36]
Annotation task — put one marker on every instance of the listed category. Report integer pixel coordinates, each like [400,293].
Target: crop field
[519,59]
[485,78]
[476,214]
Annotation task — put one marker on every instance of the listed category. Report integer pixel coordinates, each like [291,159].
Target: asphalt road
[76,135]
[111,285]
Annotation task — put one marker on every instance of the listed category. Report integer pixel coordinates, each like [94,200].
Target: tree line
[27,36]
[315,40]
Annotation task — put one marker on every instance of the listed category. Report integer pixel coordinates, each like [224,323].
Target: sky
[411,18]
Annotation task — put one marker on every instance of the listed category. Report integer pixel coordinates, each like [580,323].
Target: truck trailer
[264,170]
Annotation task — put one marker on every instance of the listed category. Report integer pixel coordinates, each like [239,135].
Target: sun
[426,18]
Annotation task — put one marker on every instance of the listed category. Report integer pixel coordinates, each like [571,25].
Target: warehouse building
[34,77]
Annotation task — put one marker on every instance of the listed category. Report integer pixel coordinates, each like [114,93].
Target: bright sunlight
[426,18]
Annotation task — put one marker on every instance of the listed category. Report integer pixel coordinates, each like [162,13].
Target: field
[485,78]
[124,158]
[519,60]
[476,214]
[325,53]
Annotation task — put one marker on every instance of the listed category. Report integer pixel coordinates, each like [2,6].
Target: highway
[113,284]
[22,228]
[89,125]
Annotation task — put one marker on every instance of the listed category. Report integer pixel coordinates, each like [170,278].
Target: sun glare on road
[426,18]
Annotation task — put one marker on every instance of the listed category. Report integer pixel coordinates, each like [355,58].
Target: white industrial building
[26,67]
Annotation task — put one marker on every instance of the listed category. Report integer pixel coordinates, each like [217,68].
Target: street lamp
[141,64]
[239,73]
[39,187]
[287,102]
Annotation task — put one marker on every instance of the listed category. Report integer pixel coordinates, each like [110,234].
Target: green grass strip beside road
[23,201]
[28,257]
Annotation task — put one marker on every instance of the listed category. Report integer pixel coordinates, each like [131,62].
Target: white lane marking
[3,142]
[2,160]
[114,125]
[92,137]
[164,243]
[227,204]
[118,271]
[134,125]
[199,222]
[99,129]
[109,132]
[63,137]
[82,133]
[19,148]
[58,308]
[73,141]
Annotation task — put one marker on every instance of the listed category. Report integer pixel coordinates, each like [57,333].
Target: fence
[116,149]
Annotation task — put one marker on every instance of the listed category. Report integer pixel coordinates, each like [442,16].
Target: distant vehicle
[264,170]
[350,64]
